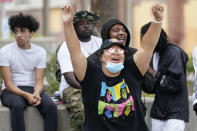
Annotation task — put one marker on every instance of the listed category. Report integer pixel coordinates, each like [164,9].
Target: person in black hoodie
[114,28]
[170,109]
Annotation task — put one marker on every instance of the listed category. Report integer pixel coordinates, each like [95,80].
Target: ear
[101,58]
[31,34]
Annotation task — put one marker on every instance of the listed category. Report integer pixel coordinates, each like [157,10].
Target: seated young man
[22,66]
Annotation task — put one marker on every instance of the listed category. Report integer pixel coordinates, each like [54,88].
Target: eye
[115,30]
[23,30]
[15,32]
[120,51]
[111,50]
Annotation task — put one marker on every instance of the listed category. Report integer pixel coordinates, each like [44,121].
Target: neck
[107,73]
[24,46]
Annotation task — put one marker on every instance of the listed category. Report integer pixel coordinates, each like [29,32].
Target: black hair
[23,21]
[163,39]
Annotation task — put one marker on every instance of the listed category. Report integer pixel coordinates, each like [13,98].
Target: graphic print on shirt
[115,101]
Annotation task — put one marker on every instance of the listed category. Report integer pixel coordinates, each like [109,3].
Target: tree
[106,9]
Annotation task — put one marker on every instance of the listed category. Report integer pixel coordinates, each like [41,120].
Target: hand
[157,11]
[37,98]
[67,14]
[30,98]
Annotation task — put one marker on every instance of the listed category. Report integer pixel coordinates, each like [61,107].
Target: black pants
[17,105]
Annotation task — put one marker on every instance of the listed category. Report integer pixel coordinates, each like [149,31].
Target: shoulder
[7,47]
[38,48]
[62,49]
[131,66]
[130,51]
[97,39]
[174,51]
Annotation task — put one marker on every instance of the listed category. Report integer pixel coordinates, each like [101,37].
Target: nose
[86,26]
[121,32]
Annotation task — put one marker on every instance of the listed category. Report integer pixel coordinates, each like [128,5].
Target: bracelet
[157,22]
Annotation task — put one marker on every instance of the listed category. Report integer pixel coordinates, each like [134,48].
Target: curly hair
[23,21]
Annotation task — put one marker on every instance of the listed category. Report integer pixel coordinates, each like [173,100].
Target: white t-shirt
[194,56]
[64,60]
[155,60]
[22,63]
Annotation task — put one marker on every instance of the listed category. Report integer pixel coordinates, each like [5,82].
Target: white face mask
[114,67]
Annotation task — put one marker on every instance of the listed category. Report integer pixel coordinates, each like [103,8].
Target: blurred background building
[180,20]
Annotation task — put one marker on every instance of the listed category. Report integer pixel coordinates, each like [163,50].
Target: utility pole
[129,18]
[45,17]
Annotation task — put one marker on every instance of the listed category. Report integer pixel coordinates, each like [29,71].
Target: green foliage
[190,67]
[50,76]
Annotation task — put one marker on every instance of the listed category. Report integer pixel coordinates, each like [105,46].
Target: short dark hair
[23,21]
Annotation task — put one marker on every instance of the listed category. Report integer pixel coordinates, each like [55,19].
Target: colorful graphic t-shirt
[113,103]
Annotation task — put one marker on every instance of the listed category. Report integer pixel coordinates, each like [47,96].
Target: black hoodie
[105,35]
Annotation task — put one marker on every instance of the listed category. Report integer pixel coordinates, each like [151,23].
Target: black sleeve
[90,77]
[148,83]
[170,76]
[131,66]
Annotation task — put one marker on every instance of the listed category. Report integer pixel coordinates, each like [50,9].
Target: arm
[171,76]
[63,58]
[70,78]
[143,56]
[39,76]
[7,77]
[148,81]
[79,61]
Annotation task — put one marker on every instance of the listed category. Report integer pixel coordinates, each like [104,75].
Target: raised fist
[157,11]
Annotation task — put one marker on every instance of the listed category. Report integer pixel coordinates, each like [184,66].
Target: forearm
[169,83]
[14,89]
[39,76]
[143,56]
[70,78]
[7,77]
[38,88]
[79,61]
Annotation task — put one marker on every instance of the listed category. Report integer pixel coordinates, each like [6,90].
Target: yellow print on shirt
[115,101]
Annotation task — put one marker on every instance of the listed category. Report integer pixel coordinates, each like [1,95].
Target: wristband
[157,22]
